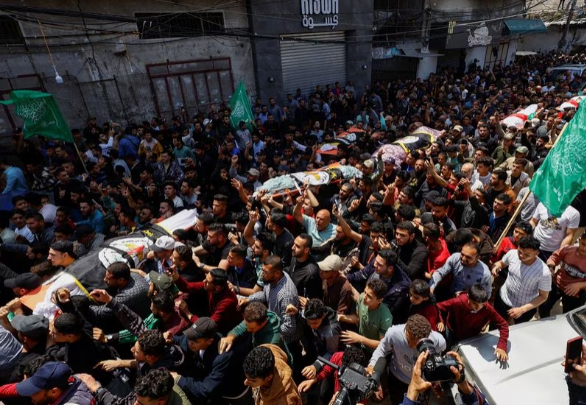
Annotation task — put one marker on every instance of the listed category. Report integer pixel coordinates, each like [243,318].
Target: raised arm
[345,227]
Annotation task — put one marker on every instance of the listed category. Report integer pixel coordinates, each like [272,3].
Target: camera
[436,367]
[356,386]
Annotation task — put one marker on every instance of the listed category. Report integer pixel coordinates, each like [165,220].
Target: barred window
[153,25]
[10,33]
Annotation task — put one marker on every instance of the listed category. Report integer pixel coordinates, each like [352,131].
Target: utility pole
[563,42]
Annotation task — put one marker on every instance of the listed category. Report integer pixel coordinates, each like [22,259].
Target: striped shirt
[277,296]
[524,281]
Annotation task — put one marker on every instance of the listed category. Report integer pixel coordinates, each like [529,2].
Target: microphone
[379,369]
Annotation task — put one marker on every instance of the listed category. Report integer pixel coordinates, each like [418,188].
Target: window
[10,33]
[152,25]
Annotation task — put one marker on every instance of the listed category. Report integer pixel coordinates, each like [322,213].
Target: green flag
[41,114]
[563,173]
[240,105]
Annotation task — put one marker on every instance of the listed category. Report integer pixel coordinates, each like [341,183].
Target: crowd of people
[239,308]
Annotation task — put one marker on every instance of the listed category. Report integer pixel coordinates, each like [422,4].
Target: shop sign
[319,13]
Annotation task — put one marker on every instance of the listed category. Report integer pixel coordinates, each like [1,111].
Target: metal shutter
[450,58]
[307,64]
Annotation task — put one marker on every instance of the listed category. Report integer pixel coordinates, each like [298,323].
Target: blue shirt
[96,221]
[319,237]
[15,181]
[464,277]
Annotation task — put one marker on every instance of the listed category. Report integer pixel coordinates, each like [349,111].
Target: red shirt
[429,311]
[327,371]
[507,244]
[223,306]
[437,259]
[465,324]
[8,391]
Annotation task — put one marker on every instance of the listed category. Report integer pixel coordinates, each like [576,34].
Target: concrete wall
[95,63]
[426,66]
[271,19]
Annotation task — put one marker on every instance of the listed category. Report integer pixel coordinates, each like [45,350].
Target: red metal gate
[195,85]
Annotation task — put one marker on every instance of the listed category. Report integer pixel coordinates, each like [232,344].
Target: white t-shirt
[551,231]
[48,212]
[524,281]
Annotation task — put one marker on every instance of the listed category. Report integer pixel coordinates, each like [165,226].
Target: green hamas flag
[41,114]
[563,173]
[240,105]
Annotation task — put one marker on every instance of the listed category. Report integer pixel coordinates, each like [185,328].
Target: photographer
[470,394]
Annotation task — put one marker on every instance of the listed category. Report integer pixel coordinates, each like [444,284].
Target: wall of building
[269,20]
[105,74]
[426,66]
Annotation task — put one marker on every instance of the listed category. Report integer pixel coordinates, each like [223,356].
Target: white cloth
[551,231]
[61,280]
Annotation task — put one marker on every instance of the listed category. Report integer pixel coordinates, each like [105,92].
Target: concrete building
[457,33]
[131,61]
[125,61]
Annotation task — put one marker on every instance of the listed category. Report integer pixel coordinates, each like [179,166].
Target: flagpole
[81,159]
[518,210]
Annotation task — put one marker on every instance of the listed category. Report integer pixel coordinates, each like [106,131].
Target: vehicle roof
[534,374]
[571,65]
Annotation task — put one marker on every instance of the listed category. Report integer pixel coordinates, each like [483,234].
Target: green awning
[523,26]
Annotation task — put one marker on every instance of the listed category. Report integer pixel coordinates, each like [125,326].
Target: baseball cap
[199,145]
[30,281]
[349,122]
[365,156]
[284,168]
[206,122]
[161,281]
[509,136]
[32,326]
[458,128]
[164,243]
[83,230]
[202,328]
[522,149]
[253,172]
[51,374]
[331,263]
[432,195]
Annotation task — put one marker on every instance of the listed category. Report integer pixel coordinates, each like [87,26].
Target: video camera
[356,386]
[436,367]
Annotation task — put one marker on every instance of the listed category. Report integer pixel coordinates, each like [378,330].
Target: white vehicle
[533,374]
[576,69]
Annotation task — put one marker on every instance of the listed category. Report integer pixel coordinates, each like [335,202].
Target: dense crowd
[237,309]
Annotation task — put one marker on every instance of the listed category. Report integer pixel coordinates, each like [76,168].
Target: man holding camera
[418,385]
[402,341]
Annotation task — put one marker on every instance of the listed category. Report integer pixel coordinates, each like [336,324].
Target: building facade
[130,61]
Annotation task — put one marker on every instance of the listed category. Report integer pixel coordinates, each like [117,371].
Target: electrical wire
[245,32]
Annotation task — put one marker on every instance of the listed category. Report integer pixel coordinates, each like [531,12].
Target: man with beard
[216,249]
[277,223]
[347,244]
[499,218]
[303,270]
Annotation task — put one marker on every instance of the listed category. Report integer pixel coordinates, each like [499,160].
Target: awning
[523,26]
[413,51]
[402,50]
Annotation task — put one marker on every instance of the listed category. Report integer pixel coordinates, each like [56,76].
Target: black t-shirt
[216,254]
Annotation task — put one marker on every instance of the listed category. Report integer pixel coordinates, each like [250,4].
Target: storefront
[485,43]
[303,43]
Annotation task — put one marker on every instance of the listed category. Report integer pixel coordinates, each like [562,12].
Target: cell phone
[573,353]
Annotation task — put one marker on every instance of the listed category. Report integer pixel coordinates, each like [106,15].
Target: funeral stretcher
[87,273]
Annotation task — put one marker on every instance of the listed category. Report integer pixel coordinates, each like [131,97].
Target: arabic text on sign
[319,7]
